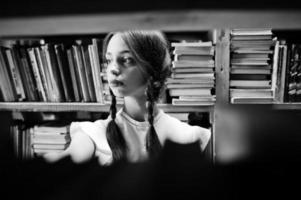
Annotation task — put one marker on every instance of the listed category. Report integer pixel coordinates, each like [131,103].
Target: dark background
[13,8]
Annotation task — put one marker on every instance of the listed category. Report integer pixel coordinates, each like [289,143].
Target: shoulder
[173,129]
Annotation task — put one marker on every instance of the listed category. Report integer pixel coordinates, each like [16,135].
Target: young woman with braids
[138,63]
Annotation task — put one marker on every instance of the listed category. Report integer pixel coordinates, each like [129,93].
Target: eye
[128,61]
[107,61]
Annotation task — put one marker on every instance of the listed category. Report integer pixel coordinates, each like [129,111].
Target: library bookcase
[168,21]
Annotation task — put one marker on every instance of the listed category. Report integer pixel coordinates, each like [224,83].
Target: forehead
[117,45]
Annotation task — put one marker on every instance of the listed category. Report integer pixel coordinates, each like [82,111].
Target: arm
[203,135]
[81,149]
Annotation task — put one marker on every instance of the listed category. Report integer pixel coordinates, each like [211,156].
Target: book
[193,70]
[250,83]
[265,56]
[50,146]
[23,74]
[192,44]
[250,70]
[73,75]
[250,76]
[36,73]
[192,102]
[186,50]
[40,152]
[255,100]
[196,85]
[205,76]
[281,91]
[88,72]
[275,67]
[253,50]
[15,74]
[53,68]
[97,68]
[41,71]
[53,140]
[185,63]
[190,91]
[251,31]
[251,37]
[33,91]
[81,72]
[189,81]
[207,58]
[251,93]
[64,72]
[8,92]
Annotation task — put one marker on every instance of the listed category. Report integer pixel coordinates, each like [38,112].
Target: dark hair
[151,50]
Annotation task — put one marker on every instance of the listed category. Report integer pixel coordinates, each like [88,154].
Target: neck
[136,108]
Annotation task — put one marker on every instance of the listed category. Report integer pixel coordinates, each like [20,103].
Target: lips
[116,83]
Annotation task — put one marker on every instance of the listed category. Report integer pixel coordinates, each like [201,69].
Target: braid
[114,136]
[153,145]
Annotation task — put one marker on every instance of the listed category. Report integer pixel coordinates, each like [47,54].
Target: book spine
[81,73]
[275,68]
[88,73]
[98,69]
[41,71]
[15,73]
[73,75]
[36,74]
[11,91]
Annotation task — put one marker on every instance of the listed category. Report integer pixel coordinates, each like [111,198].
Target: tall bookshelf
[168,21]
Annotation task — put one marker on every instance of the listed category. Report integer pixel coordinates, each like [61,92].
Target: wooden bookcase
[171,21]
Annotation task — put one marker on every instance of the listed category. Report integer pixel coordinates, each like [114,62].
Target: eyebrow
[122,52]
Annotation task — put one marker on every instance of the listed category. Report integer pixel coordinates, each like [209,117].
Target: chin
[117,92]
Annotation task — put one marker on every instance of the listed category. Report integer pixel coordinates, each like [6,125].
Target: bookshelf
[169,21]
[88,107]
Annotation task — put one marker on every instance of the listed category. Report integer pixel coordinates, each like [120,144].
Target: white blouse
[134,132]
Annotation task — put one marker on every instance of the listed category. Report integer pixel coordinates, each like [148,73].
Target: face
[124,73]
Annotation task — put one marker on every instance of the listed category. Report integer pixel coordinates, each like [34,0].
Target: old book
[88,70]
[42,72]
[190,92]
[250,83]
[81,72]
[65,74]
[37,76]
[14,70]
[73,75]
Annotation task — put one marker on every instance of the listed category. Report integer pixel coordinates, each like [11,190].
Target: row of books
[51,72]
[288,78]
[29,142]
[193,78]
[252,66]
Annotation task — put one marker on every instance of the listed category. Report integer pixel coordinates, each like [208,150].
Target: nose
[114,69]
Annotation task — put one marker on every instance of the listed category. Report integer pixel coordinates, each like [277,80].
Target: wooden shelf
[88,107]
[287,106]
[180,20]
[276,106]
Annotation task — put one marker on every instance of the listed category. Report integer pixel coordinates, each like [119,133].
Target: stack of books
[51,72]
[252,73]
[50,137]
[193,80]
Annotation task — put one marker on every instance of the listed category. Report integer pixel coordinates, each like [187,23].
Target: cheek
[136,79]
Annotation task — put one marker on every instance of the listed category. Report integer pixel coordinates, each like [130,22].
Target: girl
[138,63]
